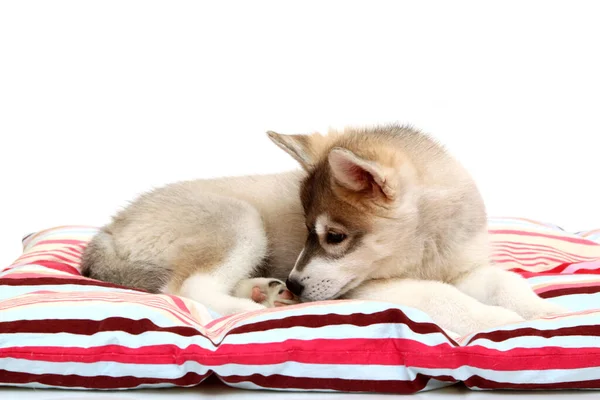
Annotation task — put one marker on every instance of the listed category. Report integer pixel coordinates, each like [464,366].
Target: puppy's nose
[294,286]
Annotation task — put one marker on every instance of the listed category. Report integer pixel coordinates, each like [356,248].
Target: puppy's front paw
[267,291]
[543,309]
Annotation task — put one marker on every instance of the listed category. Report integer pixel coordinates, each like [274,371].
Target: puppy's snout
[294,286]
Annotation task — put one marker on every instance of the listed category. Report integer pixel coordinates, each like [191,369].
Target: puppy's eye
[335,237]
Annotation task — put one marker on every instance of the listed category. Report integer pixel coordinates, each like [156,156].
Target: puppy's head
[359,203]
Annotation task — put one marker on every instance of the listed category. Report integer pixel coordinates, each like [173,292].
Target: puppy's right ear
[300,147]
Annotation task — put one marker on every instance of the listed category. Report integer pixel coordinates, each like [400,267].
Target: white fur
[298,259]
[444,303]
[492,285]
[325,279]
[213,293]
[321,224]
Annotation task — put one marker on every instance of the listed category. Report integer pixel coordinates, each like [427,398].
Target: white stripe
[403,373]
[35,385]
[105,368]
[562,279]
[547,376]
[537,342]
[327,371]
[253,386]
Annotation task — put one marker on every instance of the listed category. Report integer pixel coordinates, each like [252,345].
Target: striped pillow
[60,330]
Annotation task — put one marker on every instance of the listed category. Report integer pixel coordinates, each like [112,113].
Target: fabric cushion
[61,330]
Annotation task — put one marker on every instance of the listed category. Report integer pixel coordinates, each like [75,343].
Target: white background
[100,100]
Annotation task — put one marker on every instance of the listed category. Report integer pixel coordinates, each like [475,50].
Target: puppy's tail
[102,261]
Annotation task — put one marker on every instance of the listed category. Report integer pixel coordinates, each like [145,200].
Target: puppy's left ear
[359,175]
[300,147]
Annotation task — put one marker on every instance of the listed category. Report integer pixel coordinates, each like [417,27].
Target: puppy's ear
[301,147]
[359,175]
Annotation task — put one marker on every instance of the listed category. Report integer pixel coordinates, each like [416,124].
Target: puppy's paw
[500,316]
[266,291]
[541,309]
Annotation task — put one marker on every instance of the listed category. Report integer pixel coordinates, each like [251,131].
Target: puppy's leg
[213,293]
[221,250]
[495,286]
[269,292]
[446,305]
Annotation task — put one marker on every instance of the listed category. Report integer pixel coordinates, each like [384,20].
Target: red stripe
[566,285]
[502,335]
[537,234]
[586,271]
[570,291]
[278,381]
[317,351]
[326,351]
[91,327]
[479,382]
[556,270]
[53,265]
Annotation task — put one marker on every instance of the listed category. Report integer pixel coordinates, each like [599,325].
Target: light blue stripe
[7,292]
[579,302]
[558,279]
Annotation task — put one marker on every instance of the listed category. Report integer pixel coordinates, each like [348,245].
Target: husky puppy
[381,213]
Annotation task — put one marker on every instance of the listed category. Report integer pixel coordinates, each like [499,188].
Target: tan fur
[189,226]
